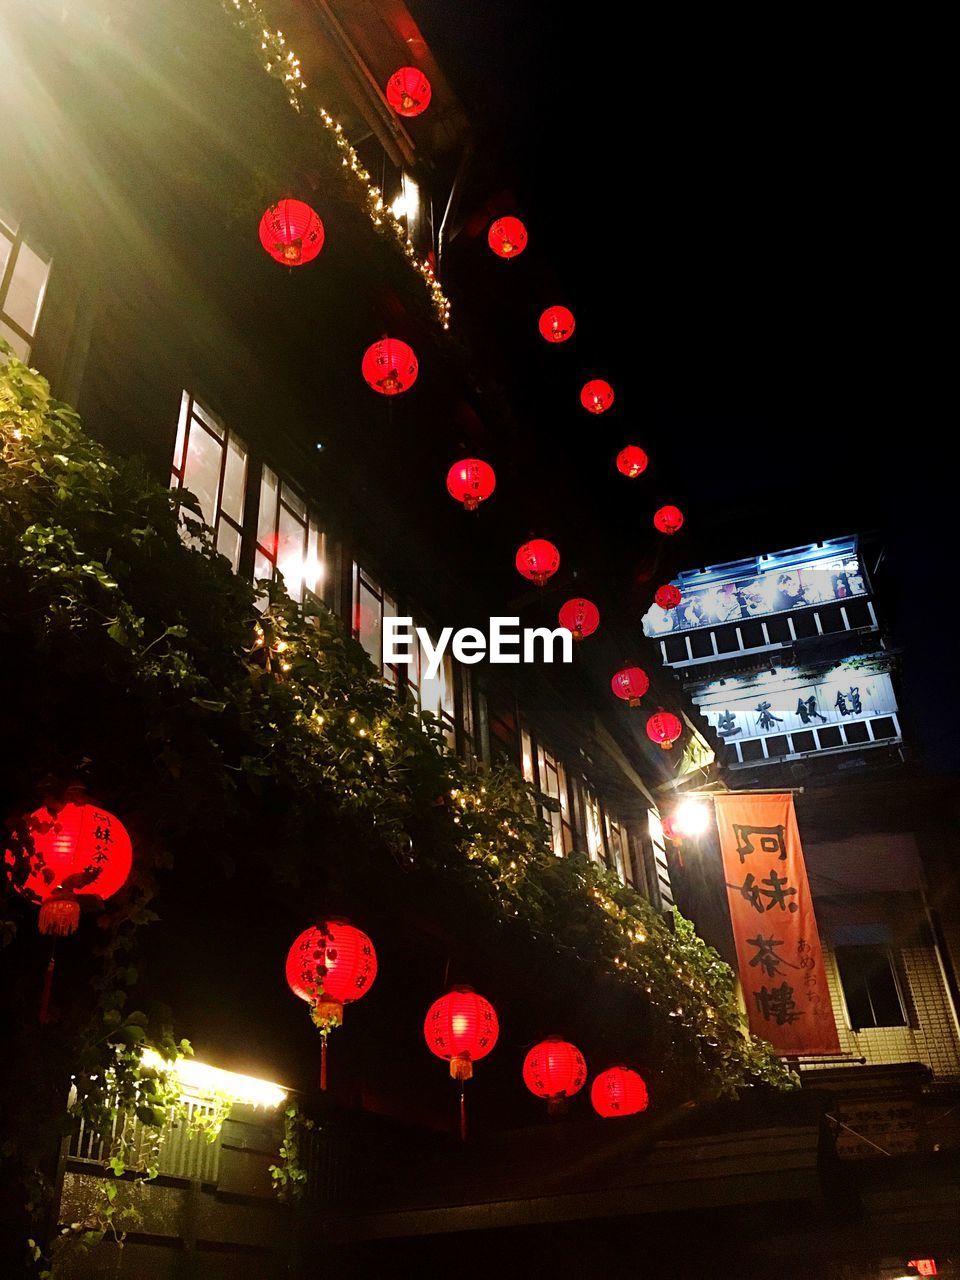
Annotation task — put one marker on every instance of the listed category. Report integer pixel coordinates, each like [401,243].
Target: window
[870,987]
[211,462]
[290,541]
[371,605]
[24,270]
[553,783]
[433,694]
[591,821]
[618,843]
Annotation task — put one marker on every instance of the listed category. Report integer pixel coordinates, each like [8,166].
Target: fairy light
[280,62]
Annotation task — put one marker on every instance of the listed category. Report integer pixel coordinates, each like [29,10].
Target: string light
[281,63]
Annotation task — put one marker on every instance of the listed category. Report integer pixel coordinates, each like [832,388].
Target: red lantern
[668,519]
[664,728]
[557,324]
[670,828]
[630,684]
[329,965]
[390,367]
[507,237]
[408,91]
[555,1070]
[618,1092]
[632,461]
[80,850]
[596,396]
[471,482]
[291,232]
[538,560]
[461,1027]
[668,596]
[582,617]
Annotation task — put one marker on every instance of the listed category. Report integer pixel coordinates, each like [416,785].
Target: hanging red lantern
[668,596]
[555,1070]
[632,461]
[408,91]
[507,237]
[618,1092]
[538,560]
[79,850]
[471,482]
[664,728]
[331,964]
[390,367]
[668,519]
[291,232]
[557,324]
[596,396]
[582,617]
[630,684]
[461,1027]
[668,823]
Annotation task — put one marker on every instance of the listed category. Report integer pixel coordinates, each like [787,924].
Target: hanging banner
[771,910]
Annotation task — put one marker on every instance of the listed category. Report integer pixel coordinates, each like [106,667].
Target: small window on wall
[290,541]
[211,462]
[554,784]
[433,693]
[371,605]
[619,846]
[594,832]
[24,270]
[870,987]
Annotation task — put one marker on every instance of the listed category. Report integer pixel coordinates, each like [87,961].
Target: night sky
[736,216]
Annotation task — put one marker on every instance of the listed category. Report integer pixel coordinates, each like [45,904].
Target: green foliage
[290,1176]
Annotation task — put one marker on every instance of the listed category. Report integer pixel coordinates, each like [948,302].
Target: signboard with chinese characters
[759,593]
[785,702]
[778,946]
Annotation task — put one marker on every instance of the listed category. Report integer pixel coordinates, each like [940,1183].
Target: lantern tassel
[463,1111]
[323,1062]
[47,993]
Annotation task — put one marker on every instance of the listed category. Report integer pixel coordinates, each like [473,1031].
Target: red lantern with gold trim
[664,728]
[408,91]
[668,520]
[462,1028]
[507,237]
[557,324]
[596,396]
[582,617]
[619,1092]
[632,461]
[389,367]
[668,596]
[330,965]
[79,850]
[538,560]
[554,1069]
[471,482]
[291,232]
[630,684]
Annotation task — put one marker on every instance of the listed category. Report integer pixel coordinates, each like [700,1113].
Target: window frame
[14,236]
[194,413]
[879,950]
[308,522]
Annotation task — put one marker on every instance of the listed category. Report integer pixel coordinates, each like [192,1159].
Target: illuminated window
[591,821]
[553,783]
[618,844]
[371,605]
[870,987]
[211,463]
[434,694]
[24,270]
[290,542]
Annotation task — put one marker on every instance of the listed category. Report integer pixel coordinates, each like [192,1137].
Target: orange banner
[771,910]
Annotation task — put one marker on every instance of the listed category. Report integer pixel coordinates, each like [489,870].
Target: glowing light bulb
[692,818]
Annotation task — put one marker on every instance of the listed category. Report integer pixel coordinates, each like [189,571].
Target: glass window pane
[20,348]
[212,421]
[27,284]
[181,435]
[314,568]
[267,514]
[294,502]
[201,473]
[526,756]
[291,550]
[368,624]
[228,543]
[8,221]
[234,480]
[5,246]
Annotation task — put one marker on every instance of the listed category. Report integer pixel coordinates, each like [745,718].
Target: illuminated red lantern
[632,461]
[670,828]
[668,596]
[291,232]
[555,1070]
[668,519]
[331,964]
[390,367]
[507,237]
[461,1027]
[538,560]
[557,324]
[408,91]
[79,850]
[618,1092]
[471,482]
[630,684]
[582,617]
[596,396]
[664,728]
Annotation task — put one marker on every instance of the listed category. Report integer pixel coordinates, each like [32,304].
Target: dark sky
[740,217]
